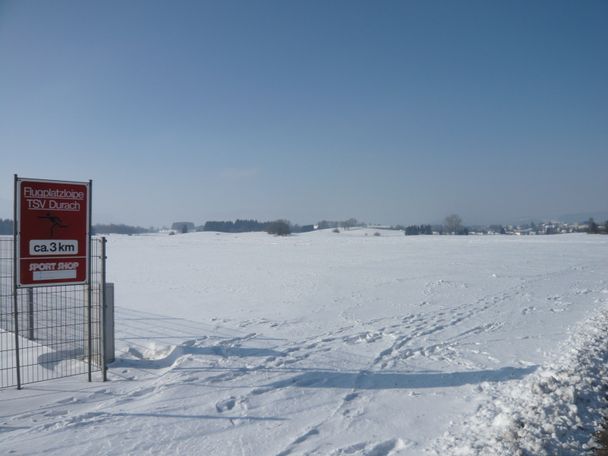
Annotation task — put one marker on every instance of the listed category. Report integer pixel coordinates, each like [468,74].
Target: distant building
[183,227]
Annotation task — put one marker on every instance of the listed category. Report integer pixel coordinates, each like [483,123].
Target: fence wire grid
[53,334]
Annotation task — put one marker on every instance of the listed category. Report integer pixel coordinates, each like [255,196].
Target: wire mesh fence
[49,334]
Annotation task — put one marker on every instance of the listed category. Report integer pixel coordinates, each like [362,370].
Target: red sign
[53,232]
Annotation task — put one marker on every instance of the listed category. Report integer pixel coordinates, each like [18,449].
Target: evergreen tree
[412,230]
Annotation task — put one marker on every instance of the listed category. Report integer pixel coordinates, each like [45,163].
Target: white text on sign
[54,266]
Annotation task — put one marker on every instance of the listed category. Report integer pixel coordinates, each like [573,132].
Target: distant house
[183,227]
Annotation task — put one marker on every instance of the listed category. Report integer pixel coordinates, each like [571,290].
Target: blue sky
[388,111]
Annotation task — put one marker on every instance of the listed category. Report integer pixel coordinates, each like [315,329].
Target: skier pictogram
[56,222]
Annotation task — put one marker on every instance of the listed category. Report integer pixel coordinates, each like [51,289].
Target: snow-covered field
[337,344]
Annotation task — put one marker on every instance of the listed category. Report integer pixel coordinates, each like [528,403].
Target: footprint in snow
[68,400]
[226,404]
[350,397]
[53,413]
[386,448]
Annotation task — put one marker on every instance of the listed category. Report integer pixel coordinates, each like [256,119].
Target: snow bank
[558,410]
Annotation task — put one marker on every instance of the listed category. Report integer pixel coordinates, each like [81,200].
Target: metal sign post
[89,291]
[15,284]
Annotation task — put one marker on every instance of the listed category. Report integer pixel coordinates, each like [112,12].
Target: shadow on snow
[393,380]
[197,417]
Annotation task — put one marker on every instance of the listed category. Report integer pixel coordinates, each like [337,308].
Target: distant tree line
[280,227]
[414,230]
[451,225]
[238,226]
[6,226]
[118,229]
[346,224]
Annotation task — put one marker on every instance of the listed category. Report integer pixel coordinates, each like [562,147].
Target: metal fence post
[16,323]
[104,305]
[108,328]
[30,313]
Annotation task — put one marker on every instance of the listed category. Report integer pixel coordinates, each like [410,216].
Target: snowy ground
[337,344]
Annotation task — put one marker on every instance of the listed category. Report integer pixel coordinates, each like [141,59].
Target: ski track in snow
[373,359]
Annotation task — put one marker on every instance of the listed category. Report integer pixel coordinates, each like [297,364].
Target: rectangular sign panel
[53,232]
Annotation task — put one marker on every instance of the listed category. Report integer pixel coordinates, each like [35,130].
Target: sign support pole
[89,294]
[15,300]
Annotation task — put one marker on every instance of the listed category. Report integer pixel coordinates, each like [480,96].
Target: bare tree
[350,223]
[593,228]
[453,224]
